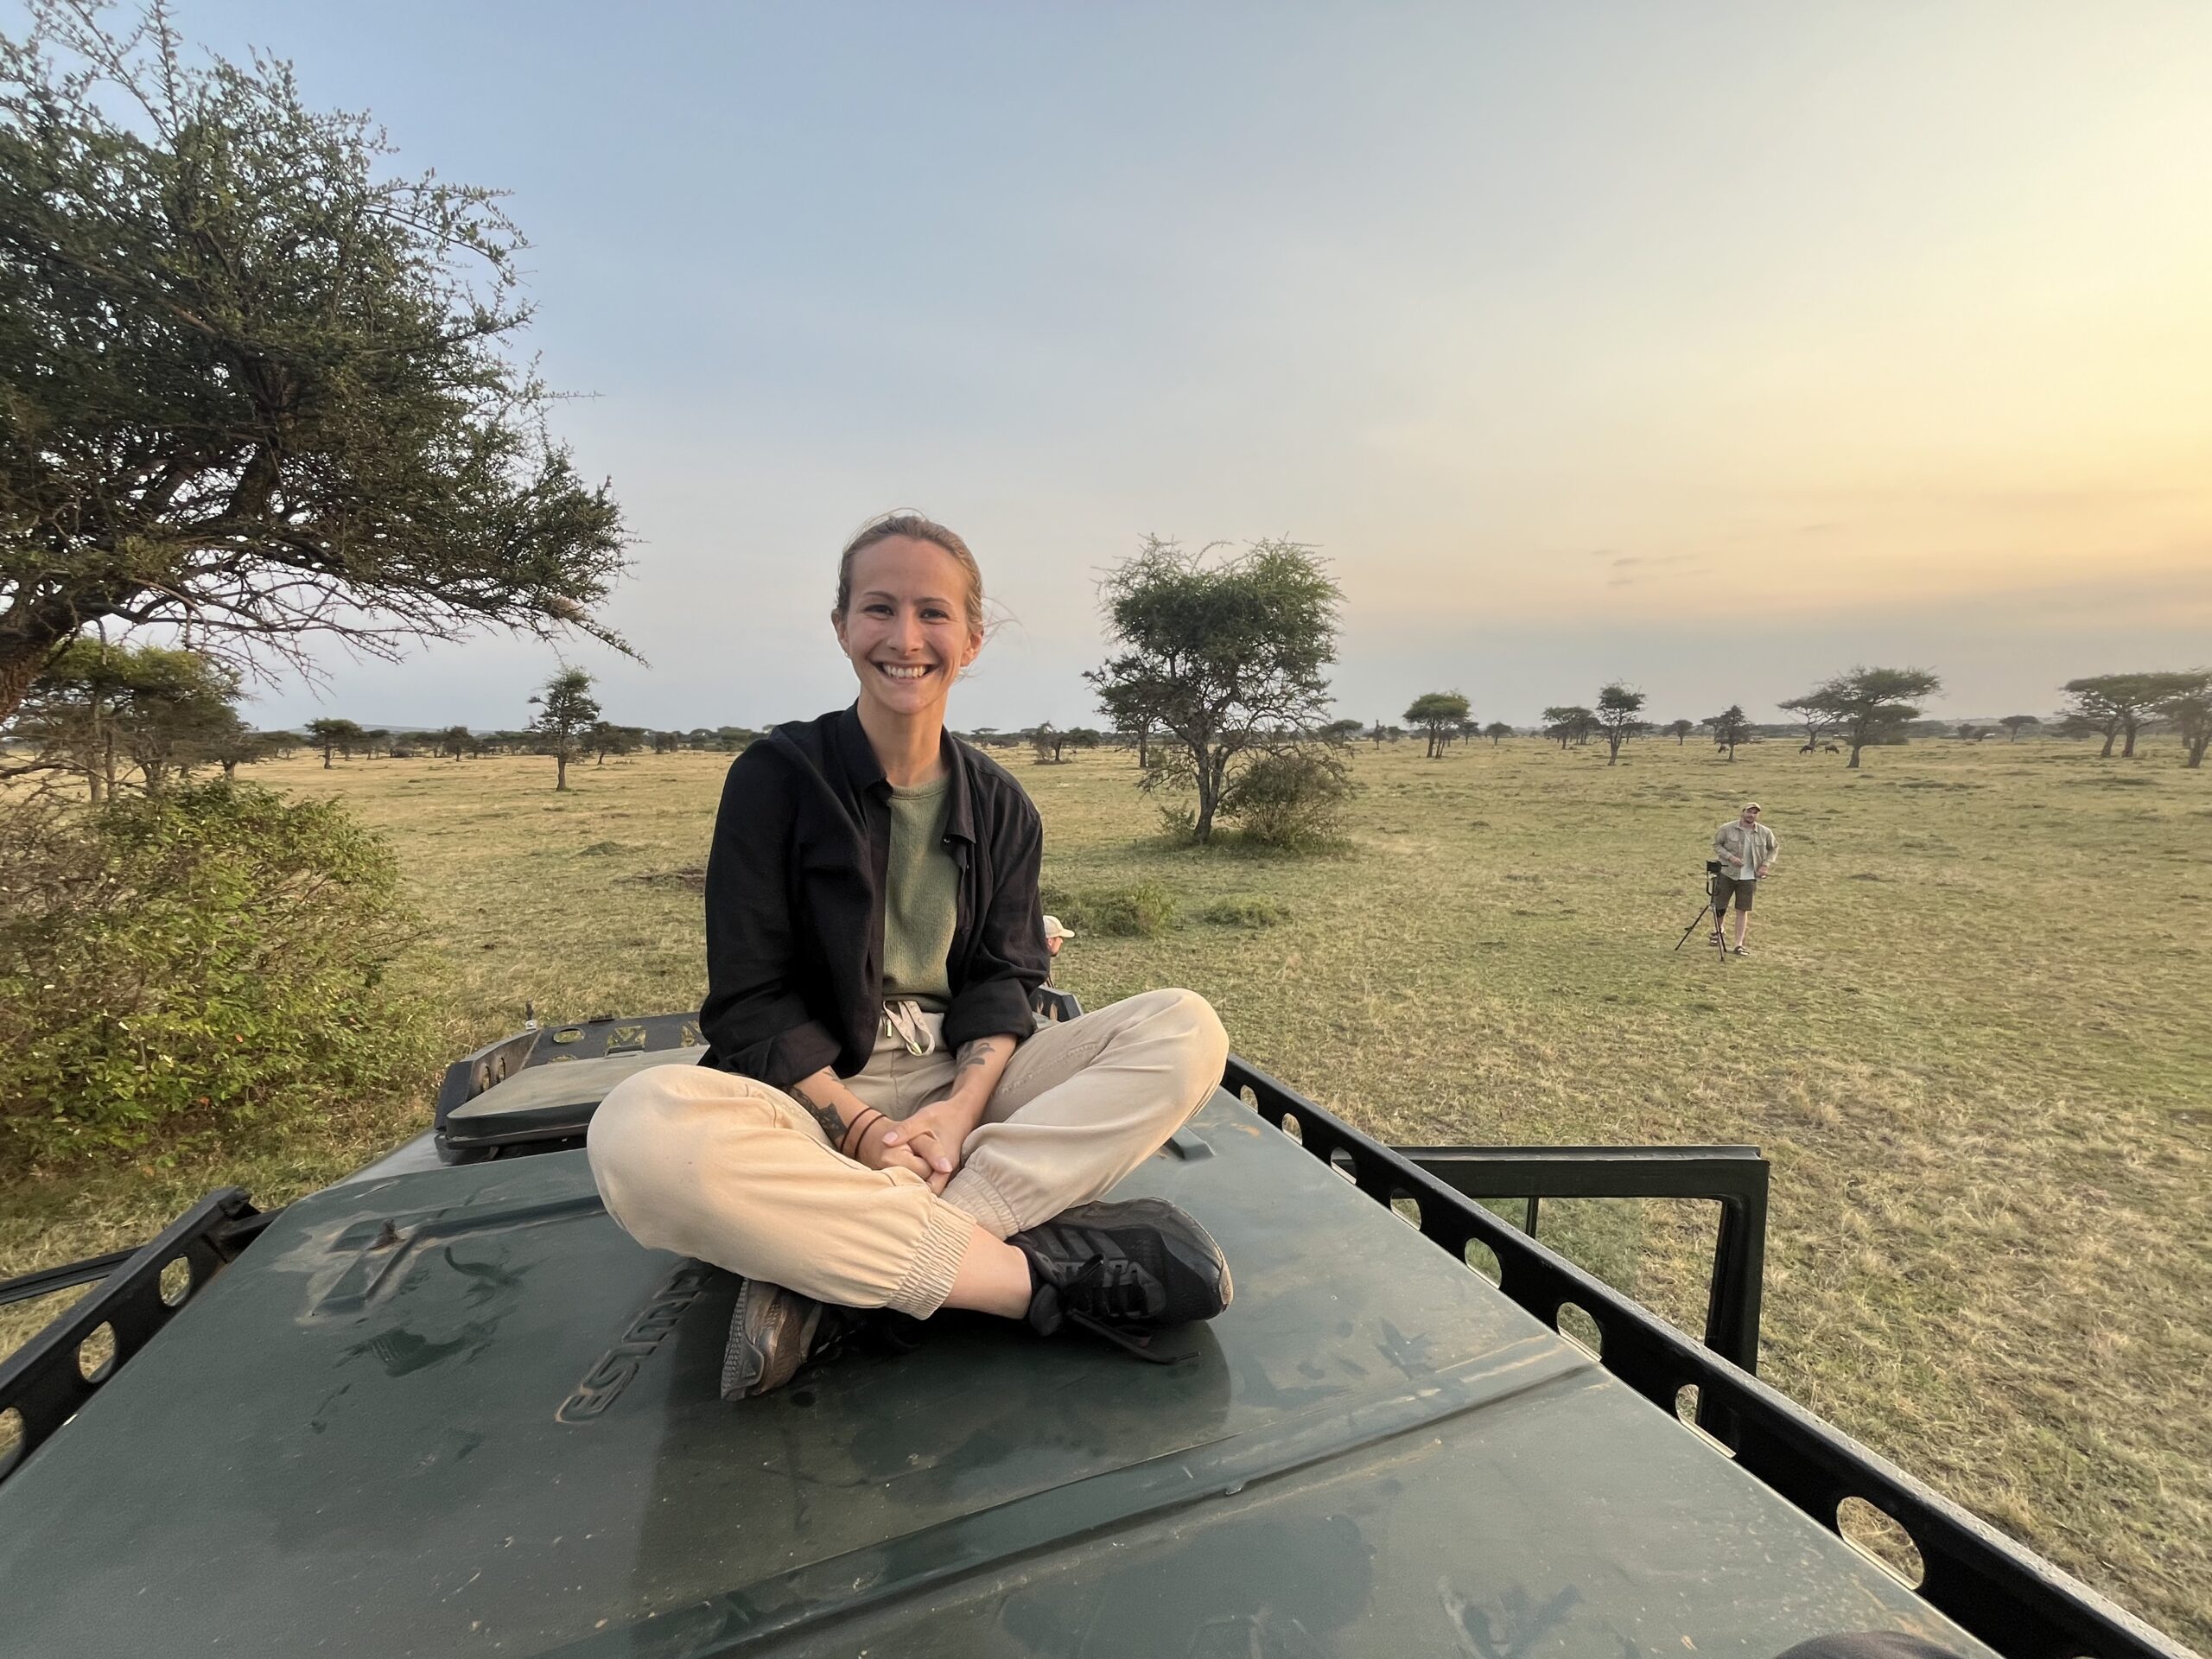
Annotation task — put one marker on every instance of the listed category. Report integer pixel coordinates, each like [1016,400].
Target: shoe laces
[1116,1291]
[1112,1289]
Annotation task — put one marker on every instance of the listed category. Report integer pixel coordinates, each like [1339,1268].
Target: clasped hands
[927,1142]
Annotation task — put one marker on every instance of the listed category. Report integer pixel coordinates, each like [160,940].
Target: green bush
[177,965]
[1143,912]
[1244,912]
[1293,800]
[1063,903]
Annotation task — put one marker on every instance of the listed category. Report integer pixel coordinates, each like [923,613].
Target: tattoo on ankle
[824,1113]
[976,1053]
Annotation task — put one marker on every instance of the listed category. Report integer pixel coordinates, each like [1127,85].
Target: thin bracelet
[856,1131]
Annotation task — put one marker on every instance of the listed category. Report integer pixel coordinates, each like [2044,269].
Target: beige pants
[709,1164]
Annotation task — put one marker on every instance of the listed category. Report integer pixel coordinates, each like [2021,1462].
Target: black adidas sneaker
[1121,1270]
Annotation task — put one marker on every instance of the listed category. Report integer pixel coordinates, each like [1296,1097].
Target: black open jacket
[795,903]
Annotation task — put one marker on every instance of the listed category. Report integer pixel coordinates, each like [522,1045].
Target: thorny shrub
[1293,800]
[175,966]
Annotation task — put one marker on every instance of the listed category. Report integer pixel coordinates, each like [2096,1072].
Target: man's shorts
[1739,887]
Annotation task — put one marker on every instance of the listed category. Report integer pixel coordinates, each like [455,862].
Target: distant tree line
[1865,708]
[113,717]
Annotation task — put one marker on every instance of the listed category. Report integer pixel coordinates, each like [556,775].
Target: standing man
[1747,848]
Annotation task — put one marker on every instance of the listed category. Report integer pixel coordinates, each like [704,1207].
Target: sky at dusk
[1715,349]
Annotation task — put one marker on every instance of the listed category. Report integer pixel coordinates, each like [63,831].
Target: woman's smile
[907,632]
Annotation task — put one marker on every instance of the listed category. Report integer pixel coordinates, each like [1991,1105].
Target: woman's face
[905,627]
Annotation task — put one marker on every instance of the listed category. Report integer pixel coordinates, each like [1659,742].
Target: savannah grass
[1973,1037]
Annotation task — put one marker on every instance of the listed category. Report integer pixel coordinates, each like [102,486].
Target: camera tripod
[1712,875]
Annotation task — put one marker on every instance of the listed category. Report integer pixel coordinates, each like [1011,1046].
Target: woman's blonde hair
[915,527]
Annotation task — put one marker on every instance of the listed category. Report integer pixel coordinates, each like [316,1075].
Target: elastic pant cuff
[971,1190]
[929,1278]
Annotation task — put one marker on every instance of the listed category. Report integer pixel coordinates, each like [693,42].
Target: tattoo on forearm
[825,1113]
[977,1053]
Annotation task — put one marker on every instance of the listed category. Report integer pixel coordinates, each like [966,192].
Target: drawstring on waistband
[904,1018]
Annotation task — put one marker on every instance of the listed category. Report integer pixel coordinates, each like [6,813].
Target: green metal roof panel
[459,1411]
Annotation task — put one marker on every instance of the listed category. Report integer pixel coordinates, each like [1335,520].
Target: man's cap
[1753,806]
[1055,929]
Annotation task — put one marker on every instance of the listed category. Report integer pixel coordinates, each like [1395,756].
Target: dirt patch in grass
[692,877]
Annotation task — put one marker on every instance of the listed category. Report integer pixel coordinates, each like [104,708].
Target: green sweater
[921,897]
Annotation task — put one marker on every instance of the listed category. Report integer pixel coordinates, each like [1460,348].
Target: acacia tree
[105,711]
[253,389]
[1222,655]
[566,709]
[2013,725]
[1620,717]
[69,724]
[2190,711]
[1048,741]
[331,735]
[1569,723]
[604,739]
[2118,705]
[184,711]
[1438,714]
[1729,728]
[1681,730]
[1868,705]
[1495,730]
[1816,716]
[231,744]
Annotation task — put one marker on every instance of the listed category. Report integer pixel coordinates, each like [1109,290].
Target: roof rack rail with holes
[48,1379]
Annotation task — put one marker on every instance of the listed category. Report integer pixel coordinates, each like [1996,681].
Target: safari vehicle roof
[457,1411]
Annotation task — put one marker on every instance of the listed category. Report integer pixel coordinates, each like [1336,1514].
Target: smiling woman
[878,1121]
[915,624]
